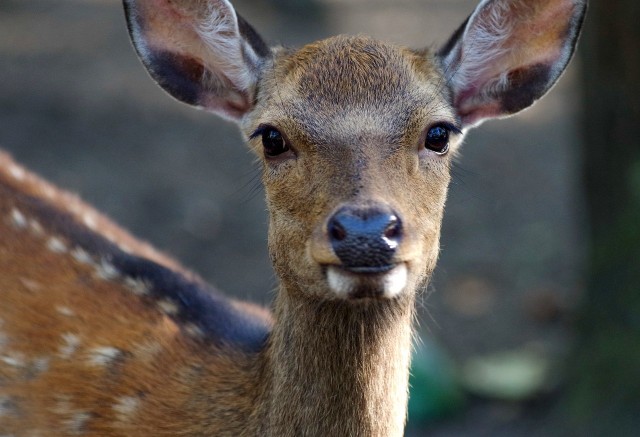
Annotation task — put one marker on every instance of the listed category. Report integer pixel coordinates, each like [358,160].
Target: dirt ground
[77,107]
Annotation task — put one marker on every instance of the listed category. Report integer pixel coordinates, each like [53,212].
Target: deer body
[101,335]
[75,367]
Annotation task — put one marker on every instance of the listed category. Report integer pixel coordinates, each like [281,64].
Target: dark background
[531,240]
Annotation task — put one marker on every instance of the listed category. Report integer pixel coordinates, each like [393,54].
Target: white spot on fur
[70,343]
[147,350]
[137,286]
[126,407]
[167,307]
[77,422]
[75,207]
[31,285]
[56,245]
[193,330]
[48,192]
[41,364]
[65,311]
[81,256]
[18,219]
[90,221]
[105,270]
[74,419]
[103,355]
[62,405]
[36,227]
[16,172]
[13,359]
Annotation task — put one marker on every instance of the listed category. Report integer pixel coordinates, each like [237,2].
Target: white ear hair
[508,54]
[200,52]
[485,43]
[220,32]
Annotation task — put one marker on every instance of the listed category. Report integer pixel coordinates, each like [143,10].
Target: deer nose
[365,239]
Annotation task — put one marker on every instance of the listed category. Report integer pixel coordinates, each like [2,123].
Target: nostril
[393,231]
[365,239]
[337,232]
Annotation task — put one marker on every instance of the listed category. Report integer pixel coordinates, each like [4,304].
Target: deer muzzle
[363,242]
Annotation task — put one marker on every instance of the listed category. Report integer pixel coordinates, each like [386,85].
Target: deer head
[356,136]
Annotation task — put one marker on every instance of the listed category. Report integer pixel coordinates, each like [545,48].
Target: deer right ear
[508,54]
[200,51]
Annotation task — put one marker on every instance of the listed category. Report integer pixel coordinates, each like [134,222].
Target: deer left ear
[200,51]
[508,54]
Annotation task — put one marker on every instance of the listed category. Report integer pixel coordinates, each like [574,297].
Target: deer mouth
[381,282]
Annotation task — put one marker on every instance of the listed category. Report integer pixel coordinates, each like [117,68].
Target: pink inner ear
[195,51]
[506,93]
[472,115]
[510,55]
[156,14]
[477,101]
[232,106]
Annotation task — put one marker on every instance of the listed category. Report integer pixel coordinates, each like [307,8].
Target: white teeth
[343,283]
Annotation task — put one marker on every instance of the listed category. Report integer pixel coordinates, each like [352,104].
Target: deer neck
[338,367]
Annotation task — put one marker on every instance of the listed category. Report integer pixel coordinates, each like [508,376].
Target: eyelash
[450,126]
[259,131]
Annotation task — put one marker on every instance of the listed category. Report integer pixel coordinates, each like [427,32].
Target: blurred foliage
[515,375]
[435,392]
[605,367]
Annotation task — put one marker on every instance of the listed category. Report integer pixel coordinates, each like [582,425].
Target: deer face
[356,136]
[355,192]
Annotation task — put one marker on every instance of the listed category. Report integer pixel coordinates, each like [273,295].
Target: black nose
[365,238]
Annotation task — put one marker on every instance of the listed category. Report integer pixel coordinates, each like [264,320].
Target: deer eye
[438,139]
[273,142]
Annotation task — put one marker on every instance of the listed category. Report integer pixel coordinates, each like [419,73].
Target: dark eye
[438,139]
[273,142]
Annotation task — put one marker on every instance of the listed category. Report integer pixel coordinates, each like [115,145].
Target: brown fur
[57,310]
[352,148]
[176,386]
[101,335]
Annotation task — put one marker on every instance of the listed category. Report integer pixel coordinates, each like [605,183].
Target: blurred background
[531,325]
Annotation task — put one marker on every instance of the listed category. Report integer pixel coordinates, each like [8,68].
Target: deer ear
[508,54]
[201,52]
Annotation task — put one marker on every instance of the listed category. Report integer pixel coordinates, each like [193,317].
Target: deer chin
[347,284]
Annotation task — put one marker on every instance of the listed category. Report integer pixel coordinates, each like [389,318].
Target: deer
[102,335]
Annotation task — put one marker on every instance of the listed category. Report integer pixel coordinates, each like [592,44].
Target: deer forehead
[347,89]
